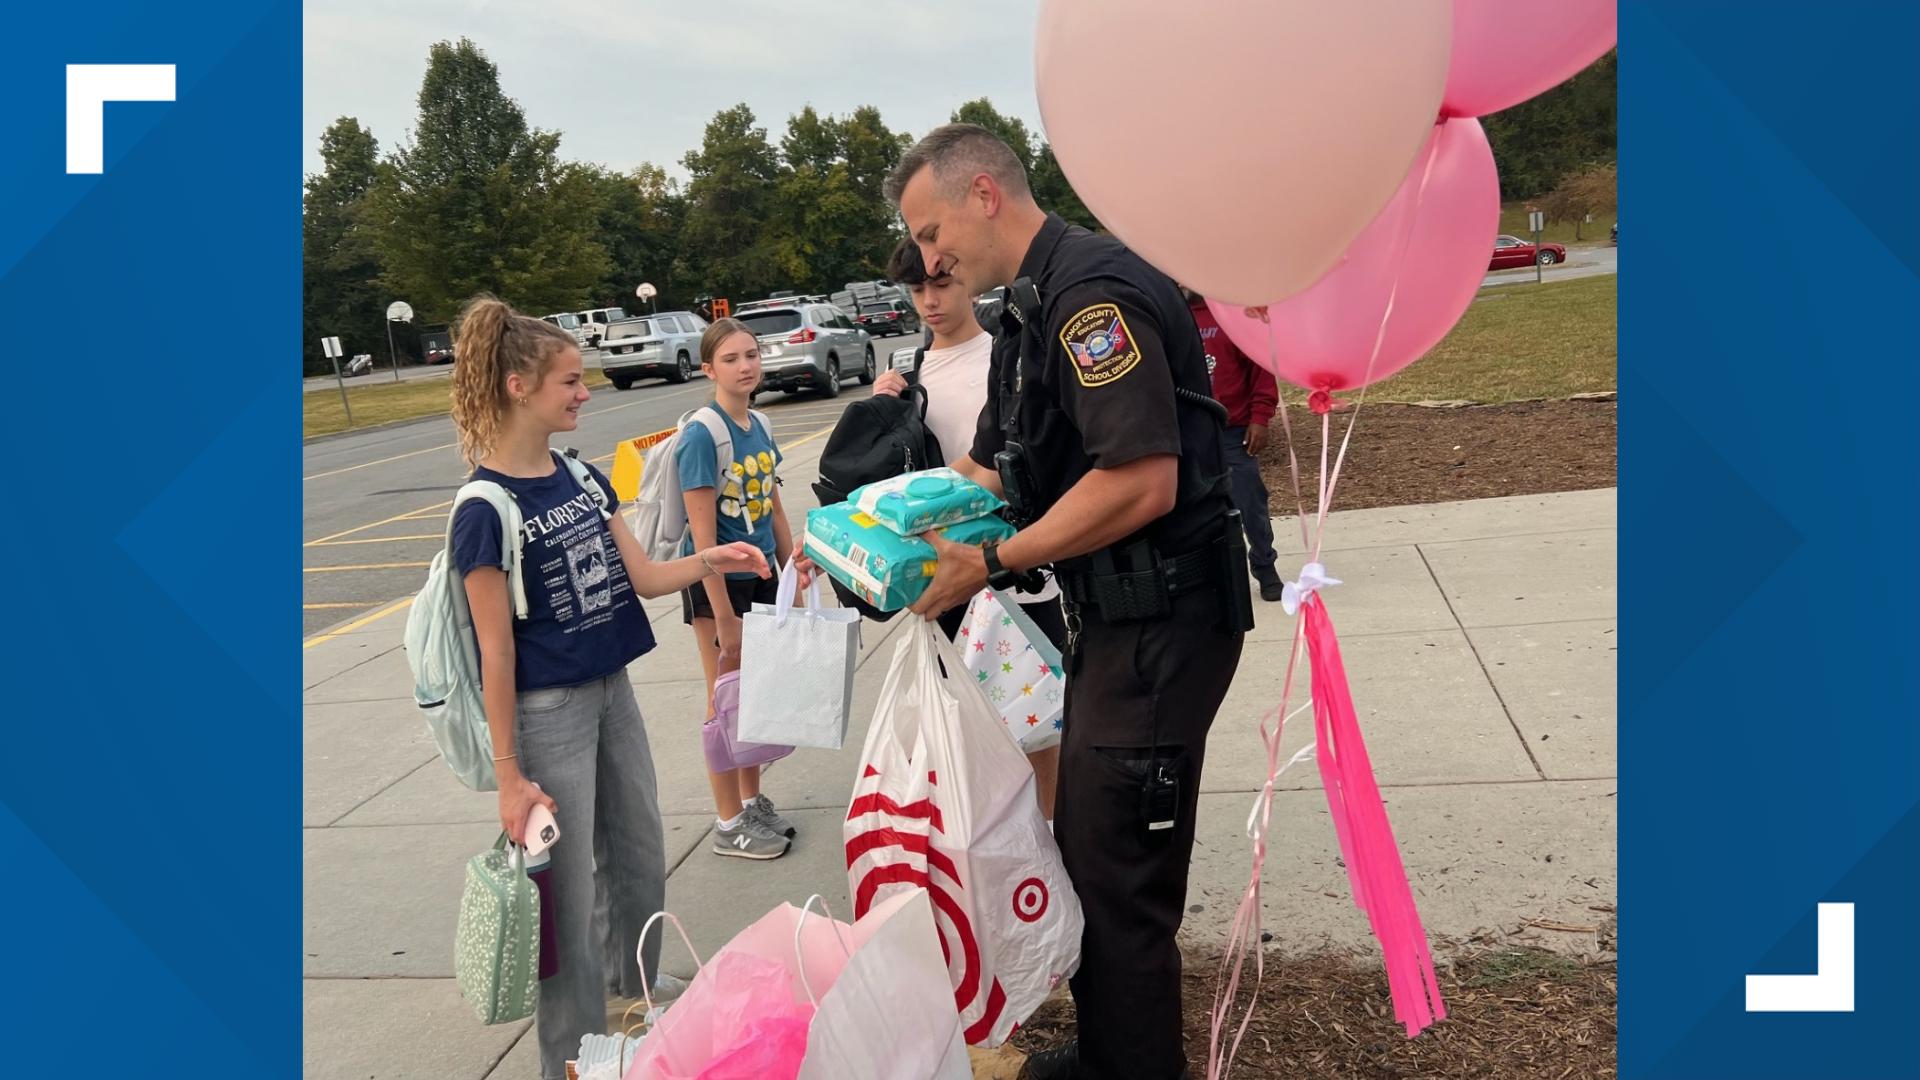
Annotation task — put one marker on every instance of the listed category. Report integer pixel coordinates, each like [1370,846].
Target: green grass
[385,403]
[1519,342]
[1513,222]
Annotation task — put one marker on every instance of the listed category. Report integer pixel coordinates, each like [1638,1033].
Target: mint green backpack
[496,951]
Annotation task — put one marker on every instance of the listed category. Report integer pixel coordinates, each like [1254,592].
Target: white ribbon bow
[1313,578]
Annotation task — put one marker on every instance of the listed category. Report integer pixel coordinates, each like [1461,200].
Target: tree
[1011,130]
[480,202]
[831,224]
[1592,190]
[1540,140]
[725,245]
[338,260]
[641,214]
[1052,191]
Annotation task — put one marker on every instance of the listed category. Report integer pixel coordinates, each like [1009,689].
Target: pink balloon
[1321,338]
[1506,51]
[1239,145]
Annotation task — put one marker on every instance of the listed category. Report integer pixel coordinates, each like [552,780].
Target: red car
[1511,251]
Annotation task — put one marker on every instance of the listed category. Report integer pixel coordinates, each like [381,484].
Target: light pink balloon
[1239,145]
[1506,51]
[1321,338]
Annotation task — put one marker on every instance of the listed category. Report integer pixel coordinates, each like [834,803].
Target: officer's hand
[1256,438]
[961,572]
[890,382]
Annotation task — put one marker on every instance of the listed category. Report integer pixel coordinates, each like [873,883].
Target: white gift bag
[796,669]
[1017,668]
[888,1014]
[945,802]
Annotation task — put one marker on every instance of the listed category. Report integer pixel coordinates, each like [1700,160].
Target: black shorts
[744,592]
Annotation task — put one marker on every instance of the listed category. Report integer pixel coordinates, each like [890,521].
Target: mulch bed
[1511,1013]
[1406,454]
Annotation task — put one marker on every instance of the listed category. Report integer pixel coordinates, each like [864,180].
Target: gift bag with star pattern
[1017,668]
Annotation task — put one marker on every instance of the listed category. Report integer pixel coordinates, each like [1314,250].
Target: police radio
[1017,484]
[1016,471]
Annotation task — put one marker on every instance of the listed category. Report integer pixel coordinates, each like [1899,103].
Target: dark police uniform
[1086,381]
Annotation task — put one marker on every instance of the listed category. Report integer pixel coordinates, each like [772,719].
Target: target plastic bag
[945,802]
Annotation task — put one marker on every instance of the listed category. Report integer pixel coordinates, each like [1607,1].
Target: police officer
[1100,434]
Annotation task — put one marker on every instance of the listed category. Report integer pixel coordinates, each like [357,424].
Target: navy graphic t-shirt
[584,620]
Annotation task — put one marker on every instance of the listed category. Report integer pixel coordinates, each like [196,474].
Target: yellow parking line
[319,607]
[365,566]
[357,623]
[377,524]
[382,461]
[376,540]
[808,439]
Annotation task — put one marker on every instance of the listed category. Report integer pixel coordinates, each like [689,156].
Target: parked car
[436,346]
[596,322]
[1511,251]
[809,347]
[885,318]
[571,323]
[667,344]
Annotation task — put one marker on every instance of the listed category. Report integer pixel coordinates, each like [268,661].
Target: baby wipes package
[917,501]
[882,567]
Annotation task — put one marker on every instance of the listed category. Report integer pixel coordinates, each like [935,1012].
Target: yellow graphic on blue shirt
[743,486]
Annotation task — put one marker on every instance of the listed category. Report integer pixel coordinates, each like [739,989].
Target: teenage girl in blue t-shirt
[734,500]
[566,730]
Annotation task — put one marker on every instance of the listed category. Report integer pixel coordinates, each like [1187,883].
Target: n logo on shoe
[741,841]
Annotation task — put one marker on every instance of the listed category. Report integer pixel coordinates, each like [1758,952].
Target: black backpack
[877,438]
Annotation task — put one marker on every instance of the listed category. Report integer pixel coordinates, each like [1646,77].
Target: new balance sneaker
[762,807]
[750,838]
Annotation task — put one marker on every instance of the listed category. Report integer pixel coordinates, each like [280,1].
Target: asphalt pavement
[375,502]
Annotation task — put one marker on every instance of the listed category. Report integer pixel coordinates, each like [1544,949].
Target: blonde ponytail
[493,341]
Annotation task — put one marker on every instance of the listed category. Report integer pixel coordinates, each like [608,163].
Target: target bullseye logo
[890,830]
[1030,900]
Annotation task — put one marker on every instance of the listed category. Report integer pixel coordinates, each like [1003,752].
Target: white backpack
[441,647]
[660,511]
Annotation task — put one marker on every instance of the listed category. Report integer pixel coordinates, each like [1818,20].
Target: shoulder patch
[1099,344]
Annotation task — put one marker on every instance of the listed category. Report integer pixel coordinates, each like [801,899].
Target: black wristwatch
[999,578]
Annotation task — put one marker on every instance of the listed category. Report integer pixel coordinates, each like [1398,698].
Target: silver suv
[809,347]
[664,344]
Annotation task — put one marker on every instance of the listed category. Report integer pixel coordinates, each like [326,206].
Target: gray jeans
[585,746]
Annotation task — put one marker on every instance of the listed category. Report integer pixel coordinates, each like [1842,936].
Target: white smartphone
[541,830]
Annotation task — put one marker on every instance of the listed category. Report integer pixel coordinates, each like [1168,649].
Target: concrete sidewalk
[1479,638]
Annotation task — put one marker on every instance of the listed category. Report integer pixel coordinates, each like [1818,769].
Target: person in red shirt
[1250,395]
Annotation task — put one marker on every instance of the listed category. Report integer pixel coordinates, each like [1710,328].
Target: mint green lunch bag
[496,951]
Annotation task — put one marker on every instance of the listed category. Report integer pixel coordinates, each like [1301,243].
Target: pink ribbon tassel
[1367,845]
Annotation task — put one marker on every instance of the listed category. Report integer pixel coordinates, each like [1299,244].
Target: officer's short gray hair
[957,153]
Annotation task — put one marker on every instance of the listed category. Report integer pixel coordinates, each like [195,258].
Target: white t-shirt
[956,382]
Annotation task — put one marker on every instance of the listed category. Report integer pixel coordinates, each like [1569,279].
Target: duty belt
[1127,595]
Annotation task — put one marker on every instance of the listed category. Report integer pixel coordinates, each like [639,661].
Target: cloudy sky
[637,81]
